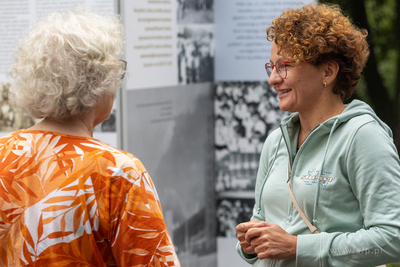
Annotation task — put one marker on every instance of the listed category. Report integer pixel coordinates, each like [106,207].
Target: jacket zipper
[272,263]
[291,163]
[301,148]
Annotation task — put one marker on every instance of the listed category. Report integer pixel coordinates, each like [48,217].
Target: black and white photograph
[231,212]
[170,130]
[195,11]
[195,54]
[245,113]
[12,118]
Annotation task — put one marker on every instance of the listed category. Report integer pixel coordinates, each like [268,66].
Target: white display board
[227,255]
[17,16]
[151,33]
[168,43]
[240,32]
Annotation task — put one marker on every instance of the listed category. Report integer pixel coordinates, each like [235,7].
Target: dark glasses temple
[124,64]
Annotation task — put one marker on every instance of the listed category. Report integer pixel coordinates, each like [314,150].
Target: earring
[325,84]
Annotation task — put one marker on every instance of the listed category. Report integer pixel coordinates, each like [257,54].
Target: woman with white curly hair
[65,197]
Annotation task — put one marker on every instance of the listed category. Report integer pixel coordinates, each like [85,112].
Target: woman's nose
[274,78]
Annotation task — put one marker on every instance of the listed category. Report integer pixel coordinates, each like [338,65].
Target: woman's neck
[308,121]
[72,126]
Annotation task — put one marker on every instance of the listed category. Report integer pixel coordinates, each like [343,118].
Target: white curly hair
[67,62]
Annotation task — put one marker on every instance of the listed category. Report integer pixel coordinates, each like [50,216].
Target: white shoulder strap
[312,228]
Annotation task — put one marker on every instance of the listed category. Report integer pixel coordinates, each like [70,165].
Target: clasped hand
[267,240]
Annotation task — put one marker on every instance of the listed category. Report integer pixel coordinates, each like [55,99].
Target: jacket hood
[354,109]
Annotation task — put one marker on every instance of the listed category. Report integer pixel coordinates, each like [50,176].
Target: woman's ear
[331,70]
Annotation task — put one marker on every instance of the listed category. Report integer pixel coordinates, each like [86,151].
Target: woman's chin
[284,107]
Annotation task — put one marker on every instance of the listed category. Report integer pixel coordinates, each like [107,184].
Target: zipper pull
[315,222]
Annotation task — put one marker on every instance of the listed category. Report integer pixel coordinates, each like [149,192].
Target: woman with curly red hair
[328,181]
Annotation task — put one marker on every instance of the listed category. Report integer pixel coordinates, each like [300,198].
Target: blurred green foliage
[381,16]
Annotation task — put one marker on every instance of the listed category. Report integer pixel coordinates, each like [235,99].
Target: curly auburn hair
[66,64]
[319,33]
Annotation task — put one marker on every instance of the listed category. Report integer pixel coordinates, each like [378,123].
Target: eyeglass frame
[274,65]
[124,68]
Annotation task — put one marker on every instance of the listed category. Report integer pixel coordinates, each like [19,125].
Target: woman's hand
[270,241]
[241,230]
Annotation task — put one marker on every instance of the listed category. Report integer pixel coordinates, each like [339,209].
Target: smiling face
[302,90]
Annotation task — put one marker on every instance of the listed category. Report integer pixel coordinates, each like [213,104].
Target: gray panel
[171,131]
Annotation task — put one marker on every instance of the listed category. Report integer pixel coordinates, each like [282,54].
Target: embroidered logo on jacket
[313,175]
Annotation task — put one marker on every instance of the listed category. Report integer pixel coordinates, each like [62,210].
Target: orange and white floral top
[75,201]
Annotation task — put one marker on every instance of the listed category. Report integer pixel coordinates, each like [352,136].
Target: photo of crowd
[195,54]
[245,113]
[231,212]
[11,117]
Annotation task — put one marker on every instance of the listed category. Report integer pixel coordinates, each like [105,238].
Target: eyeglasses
[280,68]
[123,63]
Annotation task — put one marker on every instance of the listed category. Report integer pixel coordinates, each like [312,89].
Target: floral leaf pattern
[75,201]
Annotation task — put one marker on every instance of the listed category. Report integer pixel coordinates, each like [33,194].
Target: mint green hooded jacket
[346,179]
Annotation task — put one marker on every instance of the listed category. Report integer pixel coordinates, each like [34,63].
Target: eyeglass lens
[280,68]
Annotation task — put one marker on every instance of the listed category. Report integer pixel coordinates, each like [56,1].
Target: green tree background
[380,85]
